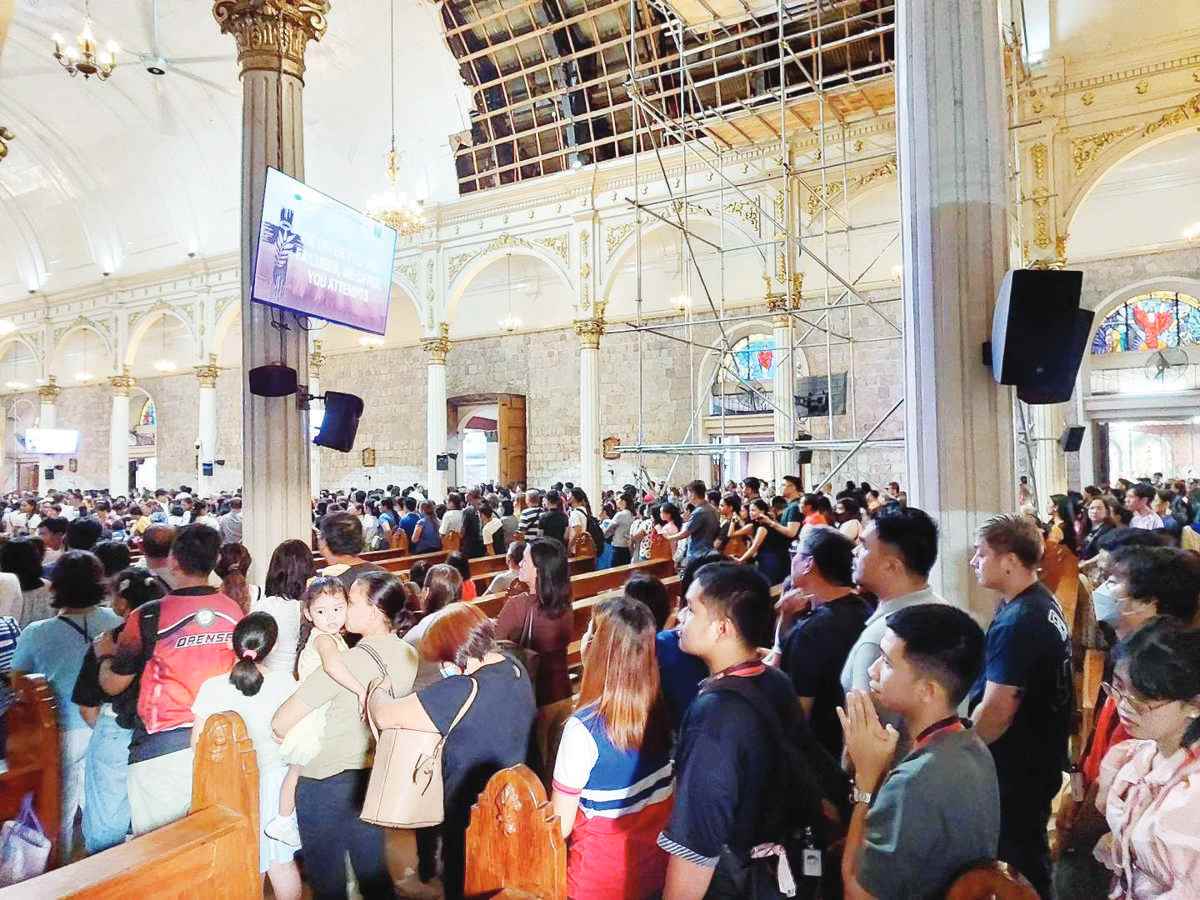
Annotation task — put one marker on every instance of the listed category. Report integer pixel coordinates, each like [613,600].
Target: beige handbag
[406,788]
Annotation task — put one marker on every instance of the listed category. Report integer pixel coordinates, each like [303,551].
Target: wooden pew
[33,757]
[404,563]
[576,565]
[515,847]
[592,583]
[211,852]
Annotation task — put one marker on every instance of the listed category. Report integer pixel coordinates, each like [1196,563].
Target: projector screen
[50,441]
[318,257]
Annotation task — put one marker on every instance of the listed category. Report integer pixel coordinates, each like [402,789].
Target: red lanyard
[748,668]
[949,725]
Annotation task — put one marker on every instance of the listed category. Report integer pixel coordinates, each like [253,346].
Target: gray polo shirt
[936,813]
[867,648]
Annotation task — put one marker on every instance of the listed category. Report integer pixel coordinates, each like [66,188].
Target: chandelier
[84,56]
[509,323]
[393,207]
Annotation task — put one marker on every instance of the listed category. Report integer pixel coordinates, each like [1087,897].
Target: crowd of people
[811,718]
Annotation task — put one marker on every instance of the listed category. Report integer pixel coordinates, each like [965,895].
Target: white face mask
[1106,604]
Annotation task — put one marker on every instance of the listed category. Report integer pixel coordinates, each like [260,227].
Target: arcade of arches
[121,296]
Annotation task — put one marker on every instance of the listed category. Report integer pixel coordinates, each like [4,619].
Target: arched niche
[866,252]
[82,356]
[1147,198]
[162,342]
[668,269]
[747,340]
[20,367]
[511,282]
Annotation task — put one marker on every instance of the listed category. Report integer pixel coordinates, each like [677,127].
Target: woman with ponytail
[254,691]
[233,564]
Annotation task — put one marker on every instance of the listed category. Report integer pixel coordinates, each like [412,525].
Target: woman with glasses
[1150,785]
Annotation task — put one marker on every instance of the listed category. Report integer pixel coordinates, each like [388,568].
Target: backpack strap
[148,617]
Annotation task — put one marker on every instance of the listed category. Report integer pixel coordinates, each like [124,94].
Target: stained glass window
[1150,322]
[149,414]
[754,357]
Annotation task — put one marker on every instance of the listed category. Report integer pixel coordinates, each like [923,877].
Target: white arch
[143,326]
[225,318]
[736,332]
[483,260]
[612,268]
[79,326]
[1110,160]
[18,338]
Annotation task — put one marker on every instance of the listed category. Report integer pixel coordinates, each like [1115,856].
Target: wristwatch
[858,795]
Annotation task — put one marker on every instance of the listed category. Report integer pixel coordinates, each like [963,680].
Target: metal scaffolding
[810,64]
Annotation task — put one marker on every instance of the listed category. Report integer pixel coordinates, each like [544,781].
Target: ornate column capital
[780,304]
[48,392]
[590,330]
[272,35]
[207,374]
[122,384]
[316,359]
[1060,256]
[438,347]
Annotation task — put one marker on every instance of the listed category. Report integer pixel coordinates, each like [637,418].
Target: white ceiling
[1081,29]
[133,174]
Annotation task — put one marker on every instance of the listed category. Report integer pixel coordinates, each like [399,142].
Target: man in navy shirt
[816,646]
[1022,703]
[726,764]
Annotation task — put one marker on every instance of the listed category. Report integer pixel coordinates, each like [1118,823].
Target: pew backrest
[33,756]
[514,842]
[211,852]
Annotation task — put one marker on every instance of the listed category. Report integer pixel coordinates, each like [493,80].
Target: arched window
[754,358]
[1152,321]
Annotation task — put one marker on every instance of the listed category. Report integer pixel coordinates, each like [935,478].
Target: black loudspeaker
[1035,313]
[443,462]
[273,381]
[1056,381]
[1072,438]
[49,474]
[340,425]
[804,457]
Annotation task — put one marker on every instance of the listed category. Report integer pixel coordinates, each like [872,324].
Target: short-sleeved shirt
[725,769]
[195,635]
[577,518]
[493,734]
[529,520]
[868,648]
[679,674]
[346,742]
[452,521]
[9,632]
[553,524]
[791,513]
[936,813]
[703,525]
[55,648]
[1029,647]
[409,523]
[814,652]
[218,695]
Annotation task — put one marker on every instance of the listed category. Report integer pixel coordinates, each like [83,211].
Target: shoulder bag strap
[374,654]
[466,706]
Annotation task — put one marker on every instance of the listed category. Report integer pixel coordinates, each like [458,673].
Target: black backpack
[810,782]
[596,532]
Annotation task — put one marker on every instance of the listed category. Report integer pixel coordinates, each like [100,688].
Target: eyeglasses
[1141,707]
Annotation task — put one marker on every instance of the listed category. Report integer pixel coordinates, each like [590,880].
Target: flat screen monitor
[50,441]
[318,257]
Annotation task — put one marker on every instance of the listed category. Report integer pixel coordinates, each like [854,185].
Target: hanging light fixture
[509,323]
[164,363]
[393,207]
[83,374]
[84,56]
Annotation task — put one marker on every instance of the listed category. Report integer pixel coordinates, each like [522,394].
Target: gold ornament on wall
[1039,154]
[1088,99]
[1142,87]
[438,347]
[5,137]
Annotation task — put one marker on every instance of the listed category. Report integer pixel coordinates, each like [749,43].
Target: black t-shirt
[88,692]
[493,735]
[724,770]
[1029,647]
[814,652]
[553,524]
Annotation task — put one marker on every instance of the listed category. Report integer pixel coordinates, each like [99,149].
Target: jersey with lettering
[194,642]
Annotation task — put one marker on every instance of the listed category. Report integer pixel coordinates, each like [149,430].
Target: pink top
[1152,806]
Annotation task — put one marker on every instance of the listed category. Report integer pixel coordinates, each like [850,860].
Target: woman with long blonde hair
[612,776]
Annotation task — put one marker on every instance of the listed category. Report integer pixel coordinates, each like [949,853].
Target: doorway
[487,431]
[27,476]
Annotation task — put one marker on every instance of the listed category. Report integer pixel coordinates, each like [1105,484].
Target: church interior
[617,244]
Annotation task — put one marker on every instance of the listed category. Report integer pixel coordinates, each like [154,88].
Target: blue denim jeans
[105,788]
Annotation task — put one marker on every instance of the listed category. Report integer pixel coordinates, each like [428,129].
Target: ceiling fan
[1167,364]
[158,64]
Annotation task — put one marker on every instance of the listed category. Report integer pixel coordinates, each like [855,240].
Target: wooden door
[27,476]
[510,428]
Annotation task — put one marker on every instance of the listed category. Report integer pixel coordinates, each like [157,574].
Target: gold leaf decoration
[1084,150]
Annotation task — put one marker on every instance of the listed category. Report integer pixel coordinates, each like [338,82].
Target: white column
[206,434]
[47,400]
[784,384]
[271,40]
[118,435]
[316,414]
[589,331]
[435,402]
[952,145]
